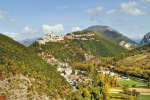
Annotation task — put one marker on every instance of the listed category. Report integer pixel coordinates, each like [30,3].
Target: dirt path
[141,89]
[146,90]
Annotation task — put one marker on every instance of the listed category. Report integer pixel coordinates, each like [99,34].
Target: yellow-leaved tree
[107,87]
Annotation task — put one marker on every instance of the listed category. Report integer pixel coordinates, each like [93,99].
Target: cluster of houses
[55,38]
[72,78]
[50,38]
[73,36]
[107,72]
[123,78]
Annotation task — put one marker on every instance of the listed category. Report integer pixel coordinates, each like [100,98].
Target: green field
[144,97]
[131,83]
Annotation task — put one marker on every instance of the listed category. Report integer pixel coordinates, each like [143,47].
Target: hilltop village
[70,36]
[55,38]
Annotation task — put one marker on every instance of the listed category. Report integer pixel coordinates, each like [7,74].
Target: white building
[50,38]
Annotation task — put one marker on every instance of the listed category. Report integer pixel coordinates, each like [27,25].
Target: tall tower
[52,35]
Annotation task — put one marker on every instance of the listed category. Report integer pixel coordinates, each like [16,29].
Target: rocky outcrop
[127,45]
[146,39]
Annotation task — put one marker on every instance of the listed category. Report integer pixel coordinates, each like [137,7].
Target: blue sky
[23,19]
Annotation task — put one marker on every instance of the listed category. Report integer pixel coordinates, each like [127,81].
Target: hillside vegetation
[16,60]
[74,49]
[135,62]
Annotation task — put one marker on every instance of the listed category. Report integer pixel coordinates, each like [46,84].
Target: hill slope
[112,35]
[19,65]
[74,49]
[134,62]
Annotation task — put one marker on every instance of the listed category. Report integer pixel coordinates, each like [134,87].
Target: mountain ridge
[146,39]
[112,35]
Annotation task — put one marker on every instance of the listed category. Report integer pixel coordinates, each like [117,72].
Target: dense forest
[15,59]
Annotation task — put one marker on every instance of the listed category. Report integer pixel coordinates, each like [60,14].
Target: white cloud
[111,11]
[12,35]
[1,18]
[94,11]
[27,30]
[4,12]
[66,6]
[137,37]
[75,29]
[145,0]
[129,9]
[12,20]
[136,27]
[46,29]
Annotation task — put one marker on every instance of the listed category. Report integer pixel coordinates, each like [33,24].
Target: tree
[62,95]
[64,72]
[85,93]
[149,82]
[107,87]
[137,94]
[126,89]
[133,92]
[104,95]
[131,97]
[134,85]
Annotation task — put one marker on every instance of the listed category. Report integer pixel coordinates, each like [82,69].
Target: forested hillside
[134,62]
[16,59]
[74,49]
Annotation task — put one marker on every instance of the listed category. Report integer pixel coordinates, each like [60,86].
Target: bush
[134,85]
[29,95]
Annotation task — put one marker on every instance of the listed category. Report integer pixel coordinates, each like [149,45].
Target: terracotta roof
[74,77]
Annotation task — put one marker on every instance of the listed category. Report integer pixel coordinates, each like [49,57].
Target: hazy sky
[22,19]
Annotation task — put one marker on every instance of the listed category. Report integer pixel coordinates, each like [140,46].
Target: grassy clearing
[144,97]
[131,83]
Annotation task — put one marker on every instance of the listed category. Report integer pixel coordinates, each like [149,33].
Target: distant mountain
[112,35]
[137,41]
[25,75]
[146,39]
[28,42]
